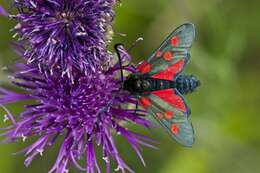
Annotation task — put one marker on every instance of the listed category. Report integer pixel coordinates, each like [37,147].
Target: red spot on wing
[170,97]
[171,71]
[145,102]
[159,115]
[174,129]
[168,114]
[144,67]
[158,54]
[168,56]
[175,41]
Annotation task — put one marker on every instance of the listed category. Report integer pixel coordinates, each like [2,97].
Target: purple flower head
[65,34]
[87,112]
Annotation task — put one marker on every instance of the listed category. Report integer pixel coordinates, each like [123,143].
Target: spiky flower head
[87,106]
[68,34]
[87,112]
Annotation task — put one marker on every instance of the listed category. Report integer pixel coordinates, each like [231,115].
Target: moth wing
[172,55]
[170,113]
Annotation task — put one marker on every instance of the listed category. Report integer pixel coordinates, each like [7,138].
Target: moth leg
[136,106]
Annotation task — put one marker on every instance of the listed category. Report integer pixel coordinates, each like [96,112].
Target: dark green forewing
[168,106]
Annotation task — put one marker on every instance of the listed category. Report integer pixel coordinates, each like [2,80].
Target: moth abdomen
[186,83]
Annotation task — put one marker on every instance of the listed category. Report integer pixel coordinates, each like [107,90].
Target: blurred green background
[225,109]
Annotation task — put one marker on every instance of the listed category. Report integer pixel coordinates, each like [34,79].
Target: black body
[136,84]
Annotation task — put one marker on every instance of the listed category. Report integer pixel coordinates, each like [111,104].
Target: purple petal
[3,12]
[7,96]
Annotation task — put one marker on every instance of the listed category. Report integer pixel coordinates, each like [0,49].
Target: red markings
[145,102]
[169,96]
[174,129]
[158,54]
[171,71]
[159,115]
[180,104]
[145,67]
[175,41]
[167,56]
[168,114]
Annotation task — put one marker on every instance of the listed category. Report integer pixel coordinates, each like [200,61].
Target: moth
[159,84]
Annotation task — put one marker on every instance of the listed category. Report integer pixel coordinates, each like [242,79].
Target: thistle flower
[70,37]
[68,34]
[86,113]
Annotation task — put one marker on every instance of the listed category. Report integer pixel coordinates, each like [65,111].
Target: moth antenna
[118,33]
[120,61]
[135,43]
